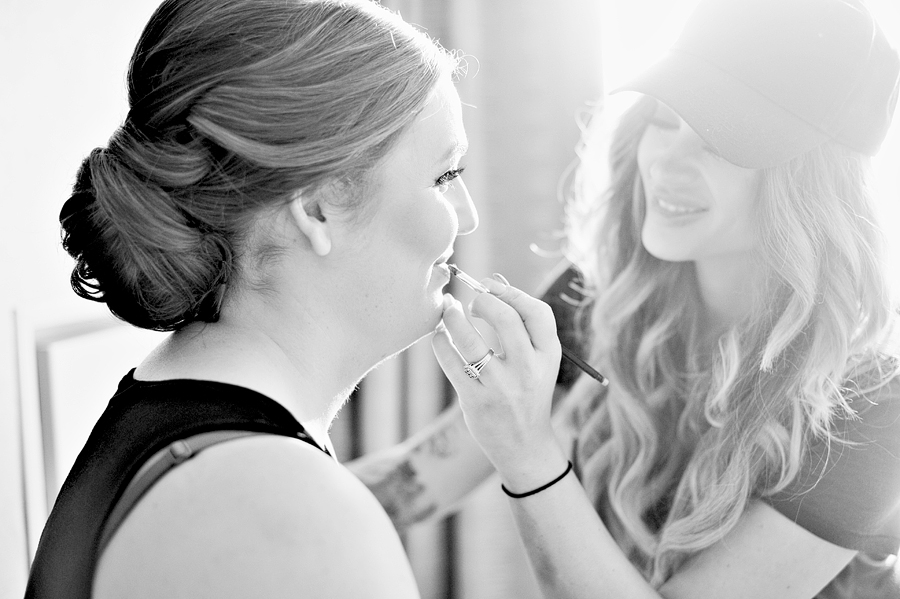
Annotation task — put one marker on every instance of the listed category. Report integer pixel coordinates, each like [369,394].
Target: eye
[444,181]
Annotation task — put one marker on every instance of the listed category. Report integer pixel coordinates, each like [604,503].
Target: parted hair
[690,432]
[235,106]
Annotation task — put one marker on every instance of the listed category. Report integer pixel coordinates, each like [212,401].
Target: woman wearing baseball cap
[729,281]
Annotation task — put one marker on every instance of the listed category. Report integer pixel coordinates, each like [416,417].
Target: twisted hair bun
[235,105]
[154,264]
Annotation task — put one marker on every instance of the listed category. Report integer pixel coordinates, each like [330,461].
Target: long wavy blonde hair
[690,430]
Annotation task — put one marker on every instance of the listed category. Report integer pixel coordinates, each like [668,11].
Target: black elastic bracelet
[539,489]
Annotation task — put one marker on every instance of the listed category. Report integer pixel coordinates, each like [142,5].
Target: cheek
[740,199]
[644,158]
[416,239]
[431,229]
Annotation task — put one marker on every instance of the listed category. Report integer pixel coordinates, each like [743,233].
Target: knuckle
[545,310]
[508,317]
[512,294]
[481,303]
[467,346]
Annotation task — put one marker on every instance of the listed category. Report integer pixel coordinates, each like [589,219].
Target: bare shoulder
[263,516]
[764,555]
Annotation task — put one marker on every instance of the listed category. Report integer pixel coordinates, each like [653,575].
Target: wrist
[543,487]
[529,474]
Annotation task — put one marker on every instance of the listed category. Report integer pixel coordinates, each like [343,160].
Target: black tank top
[141,419]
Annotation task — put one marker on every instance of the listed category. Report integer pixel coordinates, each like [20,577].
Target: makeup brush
[567,353]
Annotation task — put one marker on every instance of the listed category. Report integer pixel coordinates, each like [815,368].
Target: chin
[665,250]
[668,255]
[658,251]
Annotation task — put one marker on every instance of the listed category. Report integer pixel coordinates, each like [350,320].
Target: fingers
[467,340]
[525,328]
[507,408]
[449,360]
[507,307]
[457,343]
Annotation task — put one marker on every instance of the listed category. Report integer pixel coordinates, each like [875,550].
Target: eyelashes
[447,178]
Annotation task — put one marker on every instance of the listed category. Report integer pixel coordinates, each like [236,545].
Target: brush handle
[469,281]
[574,359]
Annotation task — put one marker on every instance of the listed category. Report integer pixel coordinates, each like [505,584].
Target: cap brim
[736,121]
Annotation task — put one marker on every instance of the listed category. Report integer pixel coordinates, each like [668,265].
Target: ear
[316,231]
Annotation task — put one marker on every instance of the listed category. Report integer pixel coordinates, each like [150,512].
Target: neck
[308,365]
[729,286]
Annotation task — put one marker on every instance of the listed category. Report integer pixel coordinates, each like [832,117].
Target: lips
[676,207]
[672,202]
[440,265]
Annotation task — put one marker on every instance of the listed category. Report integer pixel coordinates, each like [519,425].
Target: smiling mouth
[677,209]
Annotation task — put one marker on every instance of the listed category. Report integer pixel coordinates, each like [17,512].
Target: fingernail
[501,278]
[471,308]
[441,327]
[495,287]
[448,301]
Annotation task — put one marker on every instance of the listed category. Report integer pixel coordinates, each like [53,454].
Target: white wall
[62,93]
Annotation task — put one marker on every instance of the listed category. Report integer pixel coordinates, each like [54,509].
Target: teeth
[677,209]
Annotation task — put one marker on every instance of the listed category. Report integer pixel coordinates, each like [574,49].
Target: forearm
[428,474]
[571,552]
[765,555]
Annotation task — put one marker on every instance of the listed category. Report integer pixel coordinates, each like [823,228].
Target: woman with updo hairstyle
[283,196]
[226,120]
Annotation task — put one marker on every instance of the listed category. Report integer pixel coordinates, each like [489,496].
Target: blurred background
[534,69]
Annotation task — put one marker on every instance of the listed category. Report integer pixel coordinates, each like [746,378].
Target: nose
[676,160]
[459,198]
